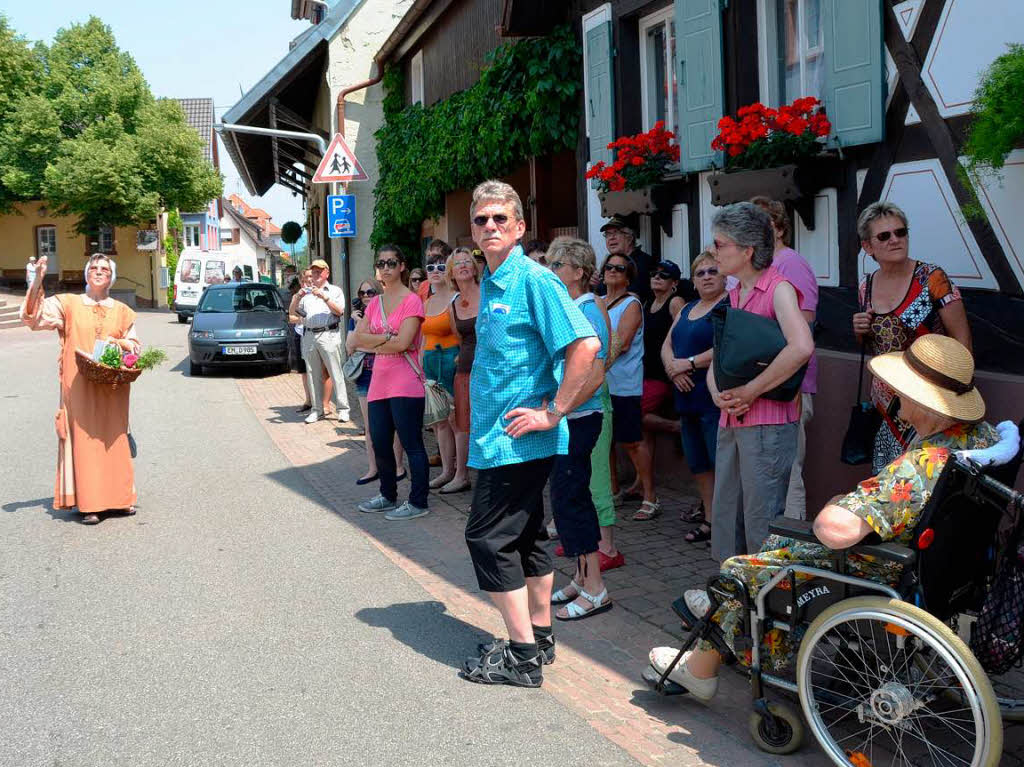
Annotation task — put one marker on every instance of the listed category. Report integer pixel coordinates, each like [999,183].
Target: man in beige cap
[322,306]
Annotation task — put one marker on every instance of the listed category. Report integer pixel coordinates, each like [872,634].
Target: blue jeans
[404,415]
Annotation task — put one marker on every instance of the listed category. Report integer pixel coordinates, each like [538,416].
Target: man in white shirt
[30,271]
[321,307]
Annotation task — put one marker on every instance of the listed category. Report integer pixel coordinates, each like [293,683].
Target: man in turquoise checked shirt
[533,361]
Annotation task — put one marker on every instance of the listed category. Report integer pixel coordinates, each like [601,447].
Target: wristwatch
[693,363]
[553,409]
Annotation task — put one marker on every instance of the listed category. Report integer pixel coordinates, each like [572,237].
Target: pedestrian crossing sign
[339,164]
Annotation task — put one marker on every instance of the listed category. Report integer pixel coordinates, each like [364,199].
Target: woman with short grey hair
[900,301]
[757,437]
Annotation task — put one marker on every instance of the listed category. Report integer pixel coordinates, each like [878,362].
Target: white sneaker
[314,417]
[701,689]
[343,416]
[698,602]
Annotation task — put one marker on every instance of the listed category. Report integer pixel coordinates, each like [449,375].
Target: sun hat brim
[968,407]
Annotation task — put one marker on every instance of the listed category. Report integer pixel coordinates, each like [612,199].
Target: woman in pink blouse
[390,328]
[757,438]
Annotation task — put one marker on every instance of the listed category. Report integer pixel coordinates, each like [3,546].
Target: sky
[187,49]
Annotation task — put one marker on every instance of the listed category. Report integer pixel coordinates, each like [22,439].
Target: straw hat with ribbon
[936,372]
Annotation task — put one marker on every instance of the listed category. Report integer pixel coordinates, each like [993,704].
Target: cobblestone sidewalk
[597,672]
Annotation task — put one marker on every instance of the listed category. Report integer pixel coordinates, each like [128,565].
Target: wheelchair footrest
[670,688]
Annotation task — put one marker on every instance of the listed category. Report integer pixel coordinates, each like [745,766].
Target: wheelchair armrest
[891,552]
[803,530]
[800,529]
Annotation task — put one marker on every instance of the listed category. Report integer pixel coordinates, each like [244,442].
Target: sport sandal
[648,510]
[545,646]
[501,667]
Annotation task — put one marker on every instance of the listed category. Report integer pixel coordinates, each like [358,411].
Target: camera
[357,304]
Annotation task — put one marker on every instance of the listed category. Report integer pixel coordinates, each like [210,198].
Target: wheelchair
[881,674]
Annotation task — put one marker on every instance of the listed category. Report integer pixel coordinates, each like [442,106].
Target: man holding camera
[321,306]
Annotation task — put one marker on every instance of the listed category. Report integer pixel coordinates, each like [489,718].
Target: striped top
[762,411]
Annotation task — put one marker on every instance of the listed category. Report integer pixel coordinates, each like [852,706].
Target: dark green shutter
[701,85]
[600,92]
[855,87]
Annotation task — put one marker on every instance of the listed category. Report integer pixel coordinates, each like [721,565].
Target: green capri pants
[600,470]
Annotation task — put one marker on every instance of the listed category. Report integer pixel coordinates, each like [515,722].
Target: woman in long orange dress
[94,462]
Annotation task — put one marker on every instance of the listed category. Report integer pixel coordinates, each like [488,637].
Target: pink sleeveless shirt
[762,411]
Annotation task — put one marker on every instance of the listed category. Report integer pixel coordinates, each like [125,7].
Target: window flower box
[628,184]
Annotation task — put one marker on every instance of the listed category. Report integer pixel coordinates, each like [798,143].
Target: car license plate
[242,350]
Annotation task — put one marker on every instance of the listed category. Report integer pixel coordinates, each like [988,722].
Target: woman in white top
[625,378]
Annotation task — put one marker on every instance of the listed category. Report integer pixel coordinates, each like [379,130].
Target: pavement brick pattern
[597,671]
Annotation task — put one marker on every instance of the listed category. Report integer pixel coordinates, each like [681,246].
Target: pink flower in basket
[129,360]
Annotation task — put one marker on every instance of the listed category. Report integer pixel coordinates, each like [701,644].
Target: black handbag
[746,344]
[859,441]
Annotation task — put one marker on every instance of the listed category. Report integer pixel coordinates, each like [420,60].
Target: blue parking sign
[341,215]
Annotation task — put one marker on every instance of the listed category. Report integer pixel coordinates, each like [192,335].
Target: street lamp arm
[236,128]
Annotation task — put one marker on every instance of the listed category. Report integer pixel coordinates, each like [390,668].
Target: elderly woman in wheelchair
[880,680]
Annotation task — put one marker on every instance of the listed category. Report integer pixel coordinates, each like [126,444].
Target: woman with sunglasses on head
[440,350]
[686,354]
[463,276]
[899,302]
[625,379]
[366,292]
[390,328]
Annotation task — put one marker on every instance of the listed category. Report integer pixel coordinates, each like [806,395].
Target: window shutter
[855,87]
[701,84]
[600,92]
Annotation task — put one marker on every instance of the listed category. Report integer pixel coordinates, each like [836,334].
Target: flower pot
[777,183]
[627,202]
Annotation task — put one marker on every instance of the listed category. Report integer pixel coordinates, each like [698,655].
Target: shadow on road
[428,629]
[46,504]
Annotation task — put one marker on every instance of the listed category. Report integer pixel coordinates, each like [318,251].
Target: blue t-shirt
[588,306]
[690,338]
[526,320]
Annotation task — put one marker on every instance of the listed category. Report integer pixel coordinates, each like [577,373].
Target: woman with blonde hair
[463,278]
[94,460]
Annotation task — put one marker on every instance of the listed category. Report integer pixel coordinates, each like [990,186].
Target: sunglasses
[460,264]
[436,268]
[500,219]
[620,268]
[556,265]
[387,263]
[901,232]
[369,293]
[663,276]
[709,272]
[719,245]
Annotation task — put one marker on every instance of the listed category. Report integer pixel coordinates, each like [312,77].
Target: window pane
[789,47]
[657,91]
[814,70]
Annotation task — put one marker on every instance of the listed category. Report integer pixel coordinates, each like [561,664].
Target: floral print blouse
[890,502]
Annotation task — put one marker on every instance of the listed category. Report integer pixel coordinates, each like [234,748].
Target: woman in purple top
[800,275]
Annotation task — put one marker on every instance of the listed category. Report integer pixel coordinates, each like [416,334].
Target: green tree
[83,131]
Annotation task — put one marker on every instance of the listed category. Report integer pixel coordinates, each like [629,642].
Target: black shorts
[627,419]
[571,502]
[505,530]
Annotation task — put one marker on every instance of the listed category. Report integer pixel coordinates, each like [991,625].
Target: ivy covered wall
[526,103]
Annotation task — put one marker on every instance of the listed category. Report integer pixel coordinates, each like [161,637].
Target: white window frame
[193,242]
[764,48]
[665,17]
[47,231]
[416,77]
[104,233]
[597,16]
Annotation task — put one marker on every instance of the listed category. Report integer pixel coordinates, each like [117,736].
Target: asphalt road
[234,620]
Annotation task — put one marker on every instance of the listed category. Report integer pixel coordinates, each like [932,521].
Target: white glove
[1004,451]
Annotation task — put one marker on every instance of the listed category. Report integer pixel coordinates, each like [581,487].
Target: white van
[196,269]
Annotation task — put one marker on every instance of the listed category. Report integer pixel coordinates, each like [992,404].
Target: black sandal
[699,534]
[694,515]
[500,666]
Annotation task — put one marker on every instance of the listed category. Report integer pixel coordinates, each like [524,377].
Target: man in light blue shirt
[533,361]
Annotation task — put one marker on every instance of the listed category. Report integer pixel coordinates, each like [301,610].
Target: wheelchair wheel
[783,733]
[869,701]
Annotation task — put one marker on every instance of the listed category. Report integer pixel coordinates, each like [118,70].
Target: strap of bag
[863,343]
[415,368]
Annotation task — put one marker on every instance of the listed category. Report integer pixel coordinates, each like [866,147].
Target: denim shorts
[627,419]
[362,383]
[439,365]
[699,435]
